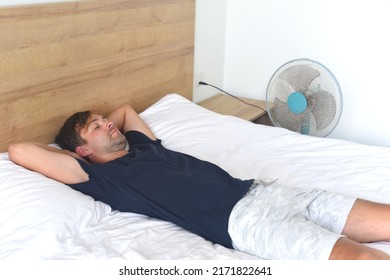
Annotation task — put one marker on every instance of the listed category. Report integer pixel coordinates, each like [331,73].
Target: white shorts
[279,222]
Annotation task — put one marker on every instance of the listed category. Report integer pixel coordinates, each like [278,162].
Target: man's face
[102,136]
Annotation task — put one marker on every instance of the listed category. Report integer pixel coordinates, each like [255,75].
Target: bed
[43,219]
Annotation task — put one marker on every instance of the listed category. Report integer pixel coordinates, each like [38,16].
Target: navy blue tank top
[160,183]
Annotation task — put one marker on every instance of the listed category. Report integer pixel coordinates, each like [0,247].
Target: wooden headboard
[56,59]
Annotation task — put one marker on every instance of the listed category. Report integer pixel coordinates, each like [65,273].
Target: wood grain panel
[56,59]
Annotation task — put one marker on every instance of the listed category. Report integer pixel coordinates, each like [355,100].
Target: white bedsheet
[43,219]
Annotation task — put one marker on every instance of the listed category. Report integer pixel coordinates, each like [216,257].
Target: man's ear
[82,151]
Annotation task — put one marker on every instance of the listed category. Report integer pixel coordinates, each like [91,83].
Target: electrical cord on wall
[231,95]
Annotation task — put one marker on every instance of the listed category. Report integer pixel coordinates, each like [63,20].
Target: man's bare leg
[346,249]
[367,222]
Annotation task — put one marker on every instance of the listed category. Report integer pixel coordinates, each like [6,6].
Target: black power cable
[231,95]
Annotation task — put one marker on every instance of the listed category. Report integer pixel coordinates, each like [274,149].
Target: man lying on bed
[270,221]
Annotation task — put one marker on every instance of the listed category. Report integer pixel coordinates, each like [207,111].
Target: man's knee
[346,249]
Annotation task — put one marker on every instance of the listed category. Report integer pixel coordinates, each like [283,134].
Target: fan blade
[282,88]
[299,77]
[323,107]
[283,117]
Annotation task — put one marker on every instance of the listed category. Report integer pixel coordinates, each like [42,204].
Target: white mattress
[44,219]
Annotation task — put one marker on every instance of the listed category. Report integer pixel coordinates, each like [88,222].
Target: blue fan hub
[297,102]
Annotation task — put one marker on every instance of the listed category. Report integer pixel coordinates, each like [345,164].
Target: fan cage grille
[321,89]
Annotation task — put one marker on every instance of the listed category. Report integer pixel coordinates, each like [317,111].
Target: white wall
[349,37]
[210,27]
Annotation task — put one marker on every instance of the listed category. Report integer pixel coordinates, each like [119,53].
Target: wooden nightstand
[227,105]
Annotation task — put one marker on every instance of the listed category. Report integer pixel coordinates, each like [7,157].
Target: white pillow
[37,212]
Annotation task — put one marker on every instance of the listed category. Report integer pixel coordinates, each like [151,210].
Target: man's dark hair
[69,135]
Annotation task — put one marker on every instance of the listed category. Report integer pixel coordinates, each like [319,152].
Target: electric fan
[304,96]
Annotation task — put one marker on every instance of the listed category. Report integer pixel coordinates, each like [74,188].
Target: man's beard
[117,144]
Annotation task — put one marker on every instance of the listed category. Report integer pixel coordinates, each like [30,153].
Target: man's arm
[126,118]
[59,165]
